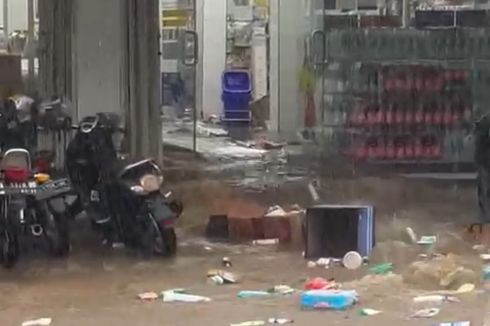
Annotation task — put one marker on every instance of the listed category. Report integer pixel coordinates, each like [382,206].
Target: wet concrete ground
[99,287]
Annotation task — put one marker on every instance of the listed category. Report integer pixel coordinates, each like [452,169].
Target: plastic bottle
[253,294]
[325,299]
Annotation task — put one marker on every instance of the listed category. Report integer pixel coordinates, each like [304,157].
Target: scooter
[123,201]
[29,211]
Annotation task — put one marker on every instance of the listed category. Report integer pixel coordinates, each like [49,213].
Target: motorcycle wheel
[57,232]
[160,241]
[10,249]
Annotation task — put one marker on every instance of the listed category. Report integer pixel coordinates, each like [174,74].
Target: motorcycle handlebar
[118,129]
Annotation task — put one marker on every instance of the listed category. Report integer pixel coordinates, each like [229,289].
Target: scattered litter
[281,289]
[276,211]
[328,299]
[427,240]
[253,294]
[479,247]
[382,269]
[435,299]
[216,280]
[311,264]
[485,257]
[148,296]
[265,242]
[38,322]
[369,312]
[179,296]
[323,262]
[466,288]
[280,321]
[352,260]
[226,277]
[411,234]
[207,248]
[458,323]
[319,283]
[226,262]
[250,323]
[426,313]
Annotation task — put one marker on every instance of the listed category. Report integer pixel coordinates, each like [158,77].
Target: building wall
[17,14]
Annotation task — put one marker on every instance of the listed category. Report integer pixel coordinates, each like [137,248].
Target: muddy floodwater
[99,287]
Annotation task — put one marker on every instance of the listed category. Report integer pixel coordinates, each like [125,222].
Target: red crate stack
[408,117]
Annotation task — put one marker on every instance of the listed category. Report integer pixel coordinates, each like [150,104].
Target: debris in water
[148,296]
[280,321]
[179,296]
[38,322]
[382,269]
[458,323]
[369,312]
[250,323]
[227,277]
[281,289]
[426,313]
[253,294]
[352,260]
[319,283]
[435,299]
[226,262]
[265,242]
[427,240]
[411,234]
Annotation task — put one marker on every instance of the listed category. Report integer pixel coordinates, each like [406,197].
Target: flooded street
[100,288]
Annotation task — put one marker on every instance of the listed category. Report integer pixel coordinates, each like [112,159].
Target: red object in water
[319,283]
[14,174]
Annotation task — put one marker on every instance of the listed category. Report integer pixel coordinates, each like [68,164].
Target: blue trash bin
[236,95]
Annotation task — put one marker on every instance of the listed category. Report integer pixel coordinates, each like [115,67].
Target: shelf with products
[408,112]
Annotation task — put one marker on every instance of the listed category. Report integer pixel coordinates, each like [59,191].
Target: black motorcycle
[31,212]
[122,200]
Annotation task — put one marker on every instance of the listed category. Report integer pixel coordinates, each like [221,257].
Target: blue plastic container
[325,299]
[236,95]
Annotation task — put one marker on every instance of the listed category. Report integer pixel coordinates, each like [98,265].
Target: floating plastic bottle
[327,299]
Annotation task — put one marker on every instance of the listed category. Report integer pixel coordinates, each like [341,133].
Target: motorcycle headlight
[151,183]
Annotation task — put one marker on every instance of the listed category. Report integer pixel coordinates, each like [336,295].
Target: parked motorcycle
[29,210]
[123,200]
